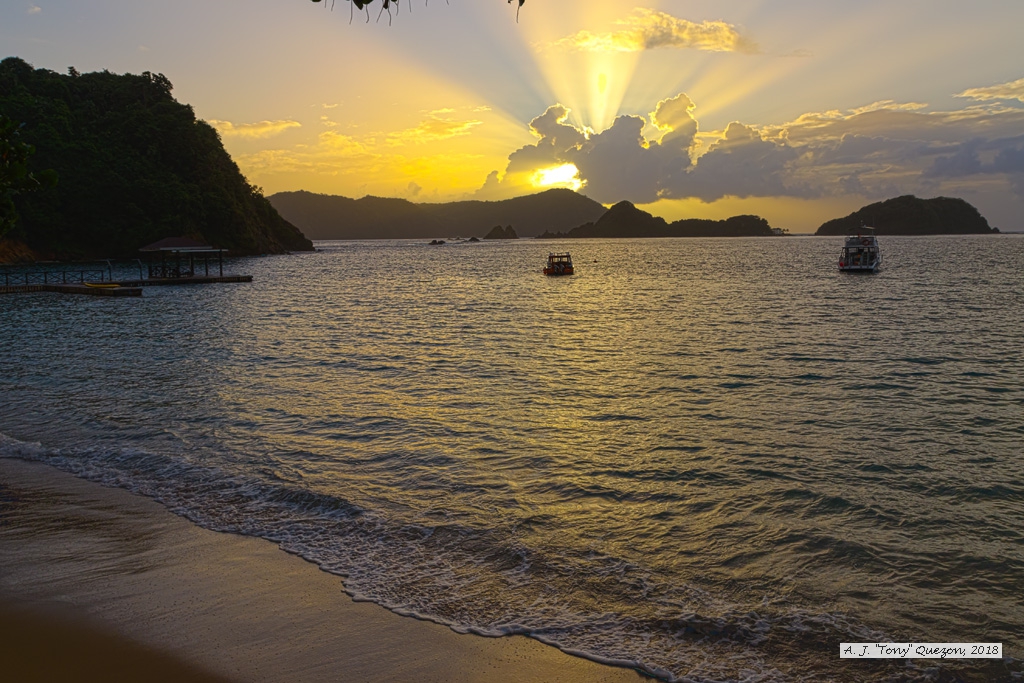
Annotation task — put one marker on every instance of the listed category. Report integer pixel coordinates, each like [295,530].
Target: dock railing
[52,277]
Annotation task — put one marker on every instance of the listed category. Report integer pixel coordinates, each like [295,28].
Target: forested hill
[625,220]
[134,166]
[332,217]
[908,215]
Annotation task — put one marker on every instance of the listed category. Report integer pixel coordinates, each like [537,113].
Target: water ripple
[713,470]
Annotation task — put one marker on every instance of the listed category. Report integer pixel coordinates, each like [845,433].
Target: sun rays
[569,100]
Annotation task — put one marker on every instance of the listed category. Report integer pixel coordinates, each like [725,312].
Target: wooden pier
[196,280]
[72,289]
[173,261]
[117,287]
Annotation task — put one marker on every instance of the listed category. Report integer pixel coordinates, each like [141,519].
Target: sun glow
[592,84]
[566,175]
[613,61]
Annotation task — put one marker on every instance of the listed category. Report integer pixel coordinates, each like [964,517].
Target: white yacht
[860,253]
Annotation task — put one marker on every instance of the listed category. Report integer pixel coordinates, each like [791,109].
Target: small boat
[102,285]
[559,264]
[860,253]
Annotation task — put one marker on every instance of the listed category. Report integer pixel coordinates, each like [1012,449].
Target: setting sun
[566,175]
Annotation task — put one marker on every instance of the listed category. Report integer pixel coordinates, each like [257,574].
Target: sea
[705,459]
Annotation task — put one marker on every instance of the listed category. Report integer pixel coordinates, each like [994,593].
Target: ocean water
[708,459]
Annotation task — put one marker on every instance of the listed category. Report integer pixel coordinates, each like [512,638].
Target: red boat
[559,264]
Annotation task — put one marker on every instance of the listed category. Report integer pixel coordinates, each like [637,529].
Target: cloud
[675,115]
[556,136]
[259,130]
[741,164]
[552,129]
[980,157]
[878,150]
[889,105]
[615,164]
[648,29]
[332,152]
[34,9]
[1010,159]
[887,148]
[898,125]
[1014,90]
[434,128]
[334,143]
[963,162]
[365,163]
[618,163]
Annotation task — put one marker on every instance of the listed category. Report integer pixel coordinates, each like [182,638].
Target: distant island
[561,214]
[133,165]
[500,233]
[625,220]
[333,217]
[908,215]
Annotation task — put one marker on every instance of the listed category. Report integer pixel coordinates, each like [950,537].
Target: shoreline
[119,585]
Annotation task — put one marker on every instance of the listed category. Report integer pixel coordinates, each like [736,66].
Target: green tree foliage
[15,176]
[135,166]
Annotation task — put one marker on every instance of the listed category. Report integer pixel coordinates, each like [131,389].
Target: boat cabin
[860,254]
[559,264]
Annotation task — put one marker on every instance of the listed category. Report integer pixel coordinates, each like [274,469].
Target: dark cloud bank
[883,150]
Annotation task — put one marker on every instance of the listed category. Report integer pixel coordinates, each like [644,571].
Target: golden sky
[798,111]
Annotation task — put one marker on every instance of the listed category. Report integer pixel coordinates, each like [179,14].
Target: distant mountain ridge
[333,217]
[909,215]
[562,213]
[625,220]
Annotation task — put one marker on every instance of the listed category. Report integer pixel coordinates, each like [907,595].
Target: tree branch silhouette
[386,6]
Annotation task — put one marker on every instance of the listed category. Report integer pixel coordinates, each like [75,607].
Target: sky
[794,110]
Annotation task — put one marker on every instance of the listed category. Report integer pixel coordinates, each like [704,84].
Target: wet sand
[100,584]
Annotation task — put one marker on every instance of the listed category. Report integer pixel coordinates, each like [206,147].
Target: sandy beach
[100,584]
